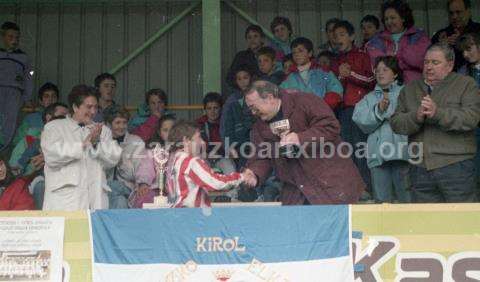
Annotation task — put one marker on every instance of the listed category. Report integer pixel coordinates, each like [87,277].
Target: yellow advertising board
[407,242]
[390,242]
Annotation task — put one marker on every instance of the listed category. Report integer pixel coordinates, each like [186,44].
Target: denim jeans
[352,134]
[477,160]
[390,181]
[118,198]
[38,194]
[455,183]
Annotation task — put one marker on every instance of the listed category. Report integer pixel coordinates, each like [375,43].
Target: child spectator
[121,179]
[469,45]
[330,44]
[147,174]
[144,124]
[106,84]
[307,76]
[237,120]
[15,81]
[26,157]
[13,192]
[47,94]
[400,39]
[325,59]
[209,125]
[389,169]
[287,64]
[165,123]
[189,178]
[282,29]
[354,70]
[370,26]
[255,38]
[266,65]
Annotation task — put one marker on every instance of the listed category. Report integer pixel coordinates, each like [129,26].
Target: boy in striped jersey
[189,178]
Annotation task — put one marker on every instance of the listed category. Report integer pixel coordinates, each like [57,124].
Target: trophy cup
[282,128]
[160,157]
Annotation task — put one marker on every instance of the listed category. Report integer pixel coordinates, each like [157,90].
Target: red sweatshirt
[361,80]
[17,197]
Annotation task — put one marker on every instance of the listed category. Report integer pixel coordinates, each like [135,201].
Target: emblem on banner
[223,275]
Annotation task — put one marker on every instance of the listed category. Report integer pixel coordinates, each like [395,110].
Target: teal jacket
[32,120]
[18,153]
[383,144]
[143,113]
[320,82]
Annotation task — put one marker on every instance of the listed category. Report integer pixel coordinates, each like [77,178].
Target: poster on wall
[31,248]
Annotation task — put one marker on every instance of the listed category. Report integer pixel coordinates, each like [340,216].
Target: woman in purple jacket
[400,39]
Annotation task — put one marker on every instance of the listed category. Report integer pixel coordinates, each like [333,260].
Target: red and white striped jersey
[189,179]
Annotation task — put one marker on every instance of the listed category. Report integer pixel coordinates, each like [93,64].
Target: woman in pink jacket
[401,39]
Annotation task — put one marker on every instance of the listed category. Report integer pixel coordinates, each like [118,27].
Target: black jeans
[455,183]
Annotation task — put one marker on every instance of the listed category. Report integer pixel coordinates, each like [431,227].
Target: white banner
[31,248]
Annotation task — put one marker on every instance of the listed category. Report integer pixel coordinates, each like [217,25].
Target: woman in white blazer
[77,152]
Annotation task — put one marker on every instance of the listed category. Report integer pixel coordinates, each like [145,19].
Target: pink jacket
[410,53]
[146,172]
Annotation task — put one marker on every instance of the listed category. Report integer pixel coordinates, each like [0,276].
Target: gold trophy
[160,157]
[282,128]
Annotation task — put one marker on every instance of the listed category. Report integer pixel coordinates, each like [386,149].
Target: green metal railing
[211,29]
[153,38]
[249,19]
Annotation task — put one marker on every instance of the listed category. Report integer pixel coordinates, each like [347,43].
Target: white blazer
[75,176]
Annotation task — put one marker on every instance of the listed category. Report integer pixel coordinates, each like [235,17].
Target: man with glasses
[298,136]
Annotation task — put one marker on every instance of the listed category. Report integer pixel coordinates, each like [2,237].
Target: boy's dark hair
[164,118]
[326,53]
[371,19]
[392,63]
[287,58]
[79,93]
[268,51]
[113,112]
[212,97]
[48,87]
[346,25]
[281,21]
[50,110]
[466,3]
[101,77]
[307,43]
[330,22]
[467,40]
[156,137]
[403,10]
[156,92]
[254,28]
[464,43]
[9,25]
[180,130]
[245,68]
